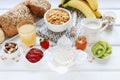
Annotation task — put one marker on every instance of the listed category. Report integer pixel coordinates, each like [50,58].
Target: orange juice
[27,34]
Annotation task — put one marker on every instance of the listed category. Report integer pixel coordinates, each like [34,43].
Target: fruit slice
[101,49]
[109,50]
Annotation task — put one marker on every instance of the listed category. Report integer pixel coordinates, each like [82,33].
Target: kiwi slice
[101,49]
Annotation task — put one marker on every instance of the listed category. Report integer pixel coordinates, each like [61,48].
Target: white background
[74,75]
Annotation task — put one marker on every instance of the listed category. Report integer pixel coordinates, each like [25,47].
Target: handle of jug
[105,26]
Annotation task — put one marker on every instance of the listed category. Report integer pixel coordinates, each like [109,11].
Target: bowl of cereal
[57,19]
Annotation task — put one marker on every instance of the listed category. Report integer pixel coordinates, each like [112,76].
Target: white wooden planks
[92,71]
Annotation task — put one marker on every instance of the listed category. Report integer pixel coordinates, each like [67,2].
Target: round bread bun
[38,7]
[2,36]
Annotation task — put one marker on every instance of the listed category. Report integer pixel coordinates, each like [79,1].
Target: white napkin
[64,41]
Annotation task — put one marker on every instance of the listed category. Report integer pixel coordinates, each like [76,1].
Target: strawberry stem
[41,40]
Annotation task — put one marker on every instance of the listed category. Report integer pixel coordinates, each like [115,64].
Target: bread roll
[12,18]
[2,36]
[38,7]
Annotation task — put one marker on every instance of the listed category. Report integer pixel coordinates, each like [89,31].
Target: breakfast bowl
[57,19]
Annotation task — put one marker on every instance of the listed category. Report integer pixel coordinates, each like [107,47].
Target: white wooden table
[109,70]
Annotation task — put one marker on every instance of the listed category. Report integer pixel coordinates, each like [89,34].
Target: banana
[64,1]
[98,14]
[93,4]
[82,6]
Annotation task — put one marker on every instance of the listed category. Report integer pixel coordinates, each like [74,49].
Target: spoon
[73,28]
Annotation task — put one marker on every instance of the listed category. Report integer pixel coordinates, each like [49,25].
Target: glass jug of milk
[91,28]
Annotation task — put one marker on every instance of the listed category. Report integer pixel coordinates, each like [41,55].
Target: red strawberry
[44,43]
[34,55]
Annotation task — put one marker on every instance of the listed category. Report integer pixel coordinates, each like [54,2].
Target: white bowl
[10,57]
[58,28]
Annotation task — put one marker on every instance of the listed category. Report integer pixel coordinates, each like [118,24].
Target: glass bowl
[61,58]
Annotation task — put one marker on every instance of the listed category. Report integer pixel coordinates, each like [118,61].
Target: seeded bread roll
[2,36]
[10,19]
[38,7]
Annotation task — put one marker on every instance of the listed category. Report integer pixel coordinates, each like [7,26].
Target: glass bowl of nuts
[10,52]
[57,19]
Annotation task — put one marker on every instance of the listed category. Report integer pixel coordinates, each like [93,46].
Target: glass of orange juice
[27,33]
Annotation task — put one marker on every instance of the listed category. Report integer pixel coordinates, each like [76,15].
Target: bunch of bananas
[88,7]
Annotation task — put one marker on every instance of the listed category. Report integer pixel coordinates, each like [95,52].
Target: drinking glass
[27,33]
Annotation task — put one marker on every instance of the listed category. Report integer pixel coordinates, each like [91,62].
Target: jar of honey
[81,43]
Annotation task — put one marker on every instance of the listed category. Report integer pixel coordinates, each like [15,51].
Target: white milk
[92,25]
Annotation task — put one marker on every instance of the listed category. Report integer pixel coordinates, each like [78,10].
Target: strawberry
[44,43]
